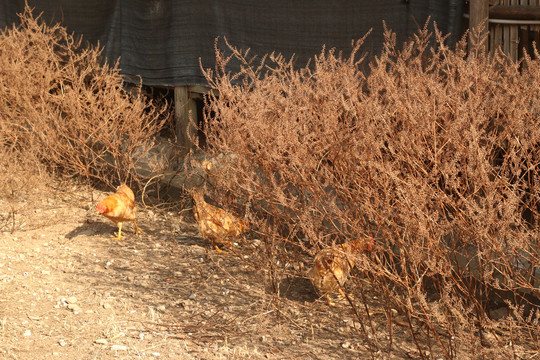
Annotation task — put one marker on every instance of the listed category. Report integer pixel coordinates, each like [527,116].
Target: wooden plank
[514,12]
[523,35]
[535,28]
[478,16]
[506,39]
[523,46]
[184,107]
[491,44]
[199,89]
[497,37]
[514,42]
[514,35]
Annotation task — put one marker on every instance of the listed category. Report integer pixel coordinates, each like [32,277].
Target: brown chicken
[332,266]
[216,224]
[119,207]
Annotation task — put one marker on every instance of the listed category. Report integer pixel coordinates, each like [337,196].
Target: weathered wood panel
[513,26]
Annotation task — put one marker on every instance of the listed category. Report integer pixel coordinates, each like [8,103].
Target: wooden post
[478,16]
[183,105]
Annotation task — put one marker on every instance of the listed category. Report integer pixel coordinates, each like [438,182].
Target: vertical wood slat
[514,42]
[523,33]
[505,33]
[478,16]
[506,36]
[497,36]
[184,106]
[536,28]
[523,41]
[513,38]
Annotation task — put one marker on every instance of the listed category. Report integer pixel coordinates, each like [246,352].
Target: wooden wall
[513,26]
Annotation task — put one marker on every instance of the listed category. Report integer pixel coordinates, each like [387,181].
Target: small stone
[107,306]
[71,300]
[346,345]
[156,354]
[119,347]
[192,296]
[62,342]
[74,307]
[141,336]
[27,333]
[101,341]
[161,308]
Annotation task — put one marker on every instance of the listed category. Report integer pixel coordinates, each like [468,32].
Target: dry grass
[433,151]
[65,112]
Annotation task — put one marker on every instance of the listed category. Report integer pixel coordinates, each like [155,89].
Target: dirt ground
[68,291]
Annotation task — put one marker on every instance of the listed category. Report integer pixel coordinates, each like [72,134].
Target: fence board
[514,39]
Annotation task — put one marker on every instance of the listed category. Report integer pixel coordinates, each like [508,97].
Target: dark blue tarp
[162,40]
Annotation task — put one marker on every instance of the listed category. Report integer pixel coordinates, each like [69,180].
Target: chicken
[332,266]
[215,223]
[119,207]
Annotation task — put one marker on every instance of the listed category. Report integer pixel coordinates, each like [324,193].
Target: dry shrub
[64,112]
[433,151]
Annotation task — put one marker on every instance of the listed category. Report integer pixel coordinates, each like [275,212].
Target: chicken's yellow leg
[328,302]
[119,237]
[137,229]
[223,242]
[220,250]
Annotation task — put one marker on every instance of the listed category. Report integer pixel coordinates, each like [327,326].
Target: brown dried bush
[434,151]
[63,111]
